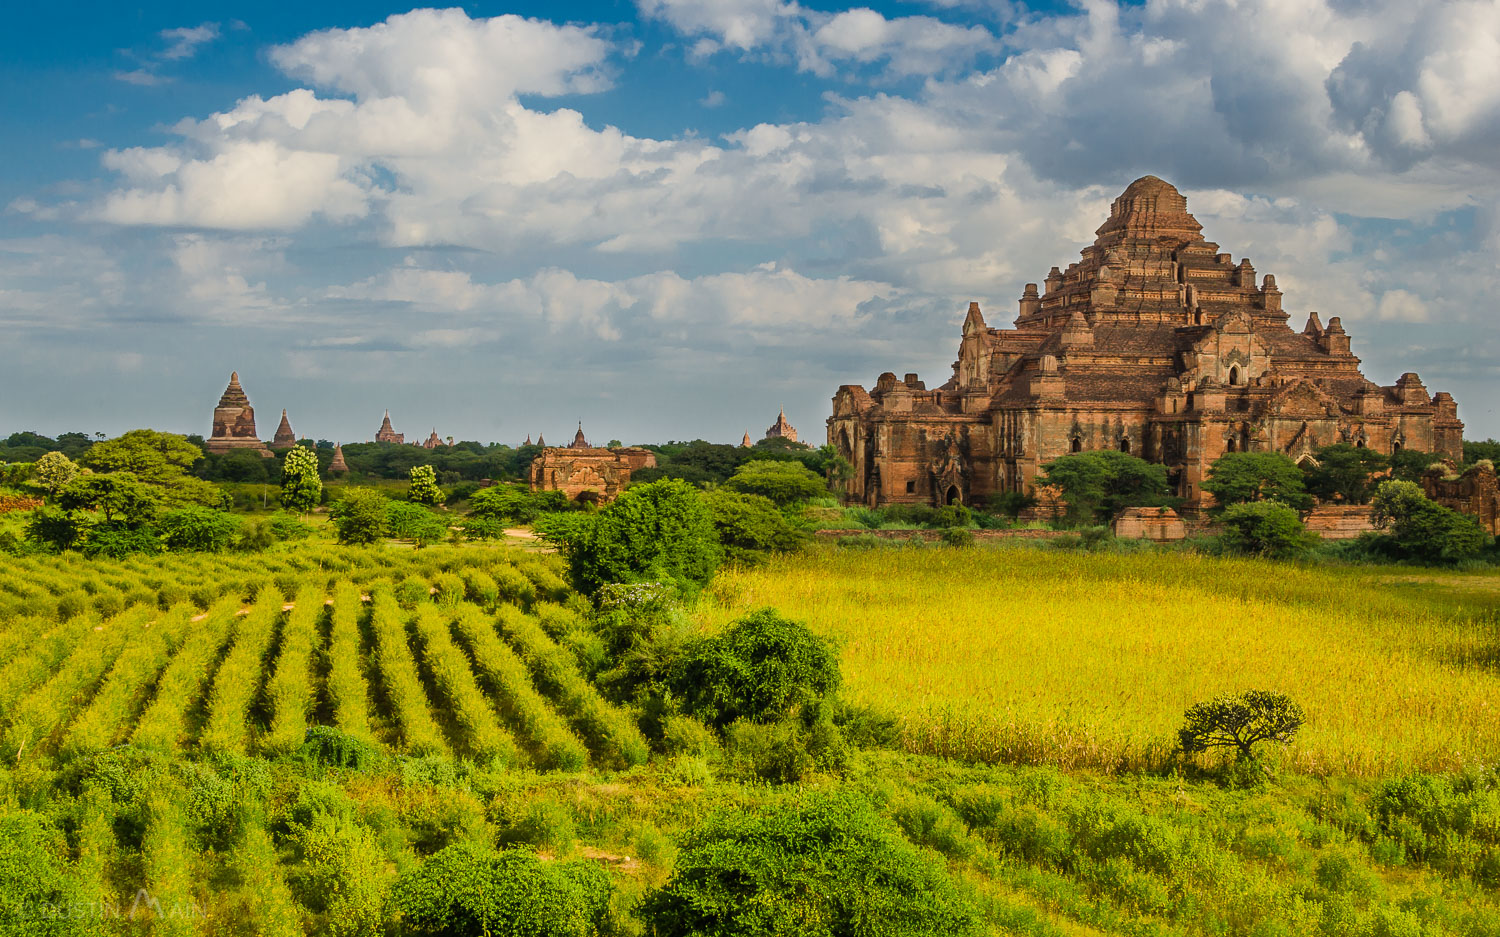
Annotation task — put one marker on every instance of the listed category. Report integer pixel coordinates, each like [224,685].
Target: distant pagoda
[432,441]
[781,429]
[388,433]
[234,423]
[745,443]
[338,465]
[579,442]
[284,438]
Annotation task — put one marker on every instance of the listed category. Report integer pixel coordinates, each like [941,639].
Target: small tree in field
[1238,477]
[1241,722]
[359,516]
[300,485]
[55,470]
[424,487]
[1264,528]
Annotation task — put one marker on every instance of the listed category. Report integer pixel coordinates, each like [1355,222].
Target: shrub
[658,532]
[285,527]
[200,529]
[958,537]
[1240,722]
[750,526]
[334,748]
[1098,484]
[1264,528]
[301,488]
[33,880]
[467,889]
[786,752]
[823,865]
[1343,472]
[359,516]
[423,488]
[117,541]
[762,668]
[782,483]
[1238,477]
[405,520]
[1421,529]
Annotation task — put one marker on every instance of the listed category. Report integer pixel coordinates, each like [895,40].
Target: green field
[181,727]
[1088,660]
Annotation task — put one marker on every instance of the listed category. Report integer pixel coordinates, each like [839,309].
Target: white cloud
[185,40]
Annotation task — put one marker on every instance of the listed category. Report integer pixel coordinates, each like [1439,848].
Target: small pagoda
[338,466]
[284,438]
[234,423]
[781,429]
[387,432]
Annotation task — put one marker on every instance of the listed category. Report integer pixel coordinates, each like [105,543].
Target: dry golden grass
[1028,655]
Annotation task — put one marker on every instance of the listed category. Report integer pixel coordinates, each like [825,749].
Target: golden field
[1028,655]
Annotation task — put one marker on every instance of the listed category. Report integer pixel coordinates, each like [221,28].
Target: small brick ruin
[1476,492]
[1159,524]
[585,472]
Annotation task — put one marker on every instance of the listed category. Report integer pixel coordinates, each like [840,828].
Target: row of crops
[448,653]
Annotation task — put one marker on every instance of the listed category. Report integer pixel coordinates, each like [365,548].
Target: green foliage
[407,521]
[1475,450]
[1239,477]
[335,748]
[505,504]
[1407,465]
[762,668]
[1240,721]
[782,483]
[657,532]
[54,470]
[1264,528]
[823,865]
[301,487]
[1422,530]
[54,529]
[117,541]
[467,889]
[160,460]
[958,537]
[1343,473]
[1098,484]
[198,528]
[120,497]
[423,488]
[33,879]
[750,526]
[359,517]
[786,751]
[285,527]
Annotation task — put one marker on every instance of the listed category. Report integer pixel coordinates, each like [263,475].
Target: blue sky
[668,218]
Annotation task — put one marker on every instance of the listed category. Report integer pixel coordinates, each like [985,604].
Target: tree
[424,487]
[407,521]
[762,668]
[359,516]
[826,865]
[1238,477]
[1421,529]
[1407,465]
[54,529]
[1241,722]
[1475,450]
[301,488]
[1264,528]
[783,483]
[658,532]
[504,503]
[199,529]
[750,526]
[161,460]
[54,470]
[119,496]
[1343,473]
[1098,484]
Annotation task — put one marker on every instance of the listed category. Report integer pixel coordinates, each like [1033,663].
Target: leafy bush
[198,528]
[750,526]
[1264,528]
[1098,484]
[467,889]
[1238,477]
[786,752]
[117,541]
[824,866]
[658,532]
[1240,722]
[285,527]
[33,883]
[334,748]
[958,537]
[423,488]
[359,516]
[301,488]
[1421,529]
[762,668]
[407,521]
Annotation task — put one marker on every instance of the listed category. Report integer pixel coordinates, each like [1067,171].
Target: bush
[762,668]
[1238,477]
[750,526]
[958,537]
[1343,473]
[824,865]
[786,752]
[1240,722]
[199,529]
[359,516]
[117,541]
[334,748]
[467,889]
[782,483]
[423,488]
[407,521]
[1098,484]
[1264,528]
[284,527]
[659,532]
[1421,529]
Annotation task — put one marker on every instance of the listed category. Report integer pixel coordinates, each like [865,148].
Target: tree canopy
[1343,473]
[782,483]
[1098,484]
[1238,477]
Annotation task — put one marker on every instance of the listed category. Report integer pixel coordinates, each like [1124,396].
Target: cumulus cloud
[185,40]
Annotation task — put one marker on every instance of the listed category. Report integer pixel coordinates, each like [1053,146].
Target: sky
[669,219]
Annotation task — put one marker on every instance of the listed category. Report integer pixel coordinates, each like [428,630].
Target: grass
[1030,656]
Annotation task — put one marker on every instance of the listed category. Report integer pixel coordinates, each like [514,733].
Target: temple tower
[338,466]
[284,438]
[234,422]
[387,433]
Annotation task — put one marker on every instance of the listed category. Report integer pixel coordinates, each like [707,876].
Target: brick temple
[1154,343]
[234,422]
[591,472]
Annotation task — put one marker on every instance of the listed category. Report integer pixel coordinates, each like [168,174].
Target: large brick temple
[1154,343]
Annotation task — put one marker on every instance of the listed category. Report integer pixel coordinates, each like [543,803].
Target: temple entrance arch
[953,496]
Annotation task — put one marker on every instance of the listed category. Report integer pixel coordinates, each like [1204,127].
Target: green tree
[1240,721]
[1238,477]
[407,521]
[783,483]
[119,496]
[762,668]
[658,532]
[301,488]
[504,504]
[1343,473]
[199,529]
[359,516]
[750,526]
[1264,528]
[161,460]
[823,865]
[54,470]
[54,529]
[1407,465]
[1098,484]
[1474,450]
[424,487]
[1421,529]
